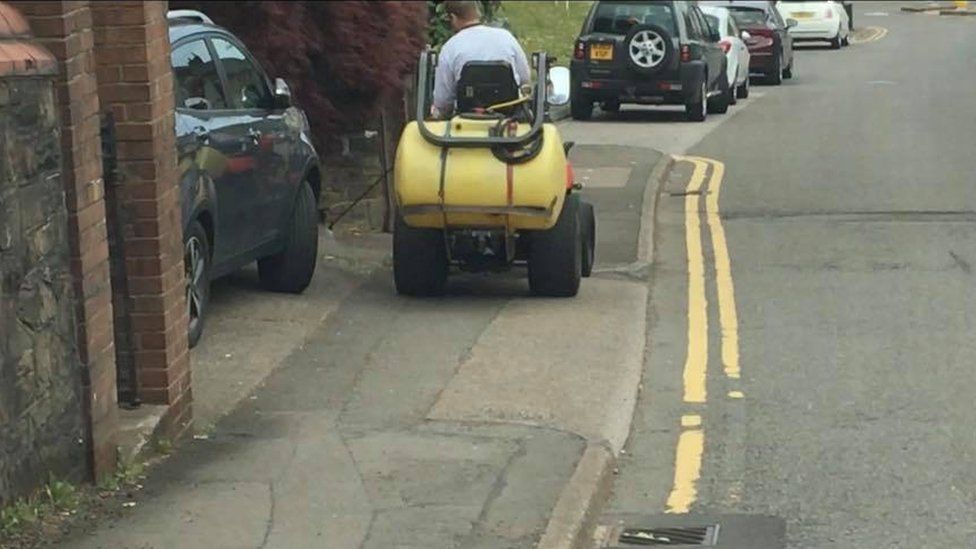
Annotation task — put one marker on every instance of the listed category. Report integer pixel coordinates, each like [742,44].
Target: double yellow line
[877,33]
[691,442]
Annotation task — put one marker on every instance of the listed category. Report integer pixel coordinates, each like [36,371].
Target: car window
[777,18]
[706,32]
[196,78]
[246,85]
[692,26]
[618,18]
[732,28]
[748,17]
[712,20]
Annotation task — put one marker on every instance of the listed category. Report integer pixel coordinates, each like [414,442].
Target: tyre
[836,42]
[419,260]
[733,94]
[775,76]
[788,71]
[649,49]
[291,270]
[580,106]
[196,263]
[556,255]
[610,106]
[743,89]
[719,104]
[588,237]
[696,110]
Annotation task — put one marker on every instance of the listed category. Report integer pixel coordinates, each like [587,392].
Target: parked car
[733,44]
[649,53]
[817,21]
[248,173]
[770,43]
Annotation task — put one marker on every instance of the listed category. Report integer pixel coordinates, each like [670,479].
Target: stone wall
[42,419]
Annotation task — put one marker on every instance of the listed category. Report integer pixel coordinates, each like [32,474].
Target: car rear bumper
[763,61]
[670,88]
[817,30]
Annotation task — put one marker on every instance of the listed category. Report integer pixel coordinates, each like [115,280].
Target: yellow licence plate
[601,52]
[803,14]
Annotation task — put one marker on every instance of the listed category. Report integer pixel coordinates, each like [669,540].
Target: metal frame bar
[541,60]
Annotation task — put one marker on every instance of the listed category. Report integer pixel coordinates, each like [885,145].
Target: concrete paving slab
[566,364]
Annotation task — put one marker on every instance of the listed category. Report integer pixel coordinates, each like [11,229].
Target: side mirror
[558,86]
[745,35]
[196,103]
[790,23]
[282,94]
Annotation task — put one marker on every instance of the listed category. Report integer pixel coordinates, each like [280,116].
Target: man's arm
[521,63]
[445,88]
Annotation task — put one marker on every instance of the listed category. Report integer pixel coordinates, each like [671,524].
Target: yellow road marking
[728,317]
[736,394]
[687,470]
[697,358]
[691,420]
[877,33]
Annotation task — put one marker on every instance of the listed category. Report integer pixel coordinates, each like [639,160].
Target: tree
[342,59]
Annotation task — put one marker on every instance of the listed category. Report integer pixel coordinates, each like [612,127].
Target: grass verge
[547,25]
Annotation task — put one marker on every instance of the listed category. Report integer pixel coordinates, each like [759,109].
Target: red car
[769,42]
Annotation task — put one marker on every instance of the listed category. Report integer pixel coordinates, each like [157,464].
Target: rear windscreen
[618,18]
[748,17]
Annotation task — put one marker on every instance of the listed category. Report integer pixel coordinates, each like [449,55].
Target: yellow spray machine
[490,188]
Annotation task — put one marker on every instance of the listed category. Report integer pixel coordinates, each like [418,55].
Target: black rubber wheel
[775,76]
[719,104]
[580,106]
[197,267]
[419,260]
[696,109]
[743,90]
[588,238]
[788,71]
[610,106]
[648,49]
[556,255]
[836,43]
[291,270]
[733,94]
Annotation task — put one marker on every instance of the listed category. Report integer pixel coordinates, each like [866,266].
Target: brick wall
[135,81]
[42,400]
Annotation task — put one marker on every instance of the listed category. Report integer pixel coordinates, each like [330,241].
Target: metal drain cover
[718,531]
[695,535]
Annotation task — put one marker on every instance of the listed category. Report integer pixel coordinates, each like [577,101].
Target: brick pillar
[65,29]
[135,81]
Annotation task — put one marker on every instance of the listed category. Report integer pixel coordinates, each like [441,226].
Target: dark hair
[463,9]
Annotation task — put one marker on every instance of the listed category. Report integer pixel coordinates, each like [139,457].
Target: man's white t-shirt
[476,43]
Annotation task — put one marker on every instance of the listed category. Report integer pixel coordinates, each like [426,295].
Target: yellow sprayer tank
[460,187]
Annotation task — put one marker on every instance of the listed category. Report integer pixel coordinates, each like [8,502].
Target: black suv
[249,175]
[650,53]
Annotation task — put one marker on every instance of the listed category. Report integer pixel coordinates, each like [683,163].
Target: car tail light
[570,176]
[580,51]
[830,13]
[726,45]
[685,53]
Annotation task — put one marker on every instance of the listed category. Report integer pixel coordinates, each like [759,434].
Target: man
[472,41]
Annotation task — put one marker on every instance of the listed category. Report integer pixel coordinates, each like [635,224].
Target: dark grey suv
[249,175]
[651,53]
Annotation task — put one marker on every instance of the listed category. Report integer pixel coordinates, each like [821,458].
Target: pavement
[848,217]
[351,417]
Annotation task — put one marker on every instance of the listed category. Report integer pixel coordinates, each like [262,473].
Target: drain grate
[695,535]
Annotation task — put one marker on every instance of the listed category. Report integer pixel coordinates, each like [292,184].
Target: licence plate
[601,52]
[803,15]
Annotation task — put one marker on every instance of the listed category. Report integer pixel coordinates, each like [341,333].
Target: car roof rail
[192,15]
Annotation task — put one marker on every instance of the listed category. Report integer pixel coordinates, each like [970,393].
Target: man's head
[463,13]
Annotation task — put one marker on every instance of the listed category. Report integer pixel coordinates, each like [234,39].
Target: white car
[821,21]
[734,46]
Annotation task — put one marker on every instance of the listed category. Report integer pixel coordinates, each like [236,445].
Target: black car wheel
[743,90]
[556,255]
[775,76]
[696,109]
[419,260]
[788,71]
[196,264]
[610,106]
[719,104]
[836,42]
[291,270]
[649,48]
[580,106]
[588,220]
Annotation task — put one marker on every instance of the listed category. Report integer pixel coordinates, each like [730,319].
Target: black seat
[485,83]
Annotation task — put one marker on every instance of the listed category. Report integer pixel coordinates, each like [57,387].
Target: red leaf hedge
[341,59]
